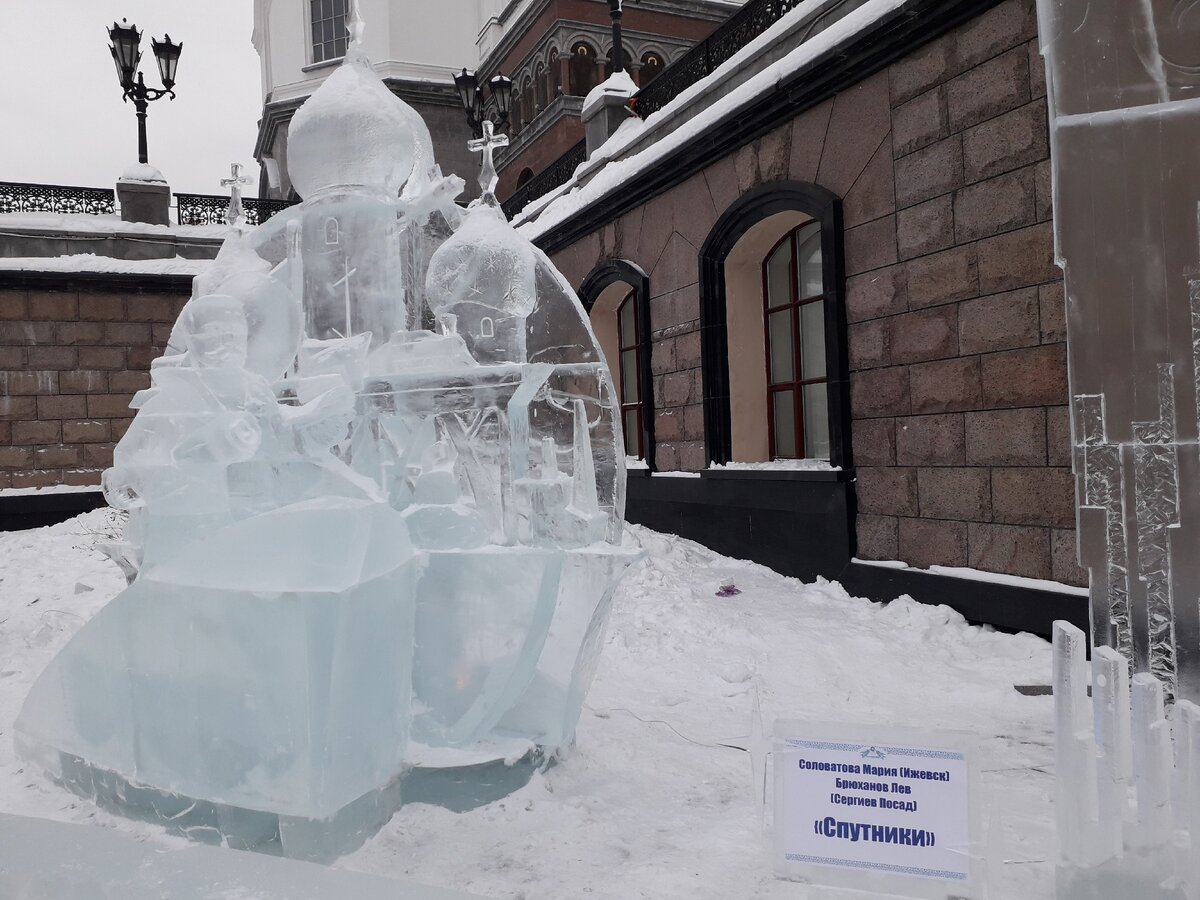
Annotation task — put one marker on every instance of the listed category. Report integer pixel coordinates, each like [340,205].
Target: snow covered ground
[647,805]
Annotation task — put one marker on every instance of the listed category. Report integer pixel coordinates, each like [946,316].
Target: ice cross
[487,170]
[345,280]
[235,213]
[355,24]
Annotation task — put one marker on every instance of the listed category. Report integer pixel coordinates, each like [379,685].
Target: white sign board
[879,809]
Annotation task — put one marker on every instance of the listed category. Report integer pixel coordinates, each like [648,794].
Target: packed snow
[90,262]
[86,223]
[647,804]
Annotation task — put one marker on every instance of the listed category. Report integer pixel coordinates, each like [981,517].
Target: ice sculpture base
[457,780]
[314,840]
[44,859]
[460,780]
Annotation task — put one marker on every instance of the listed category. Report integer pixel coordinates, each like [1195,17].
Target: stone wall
[956,310]
[70,360]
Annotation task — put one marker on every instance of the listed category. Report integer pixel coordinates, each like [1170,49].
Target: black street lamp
[617,57]
[127,54]
[471,98]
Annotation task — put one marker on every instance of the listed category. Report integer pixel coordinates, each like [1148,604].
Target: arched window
[629,341]
[327,21]
[539,87]
[582,69]
[517,115]
[794,306]
[615,65]
[616,295]
[331,230]
[487,328]
[531,109]
[772,310]
[526,174]
[555,75]
[652,66]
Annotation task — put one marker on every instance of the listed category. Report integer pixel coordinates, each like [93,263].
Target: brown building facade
[556,51]
[939,392]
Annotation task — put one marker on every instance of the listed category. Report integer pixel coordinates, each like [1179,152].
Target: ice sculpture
[1124,86]
[375,513]
[1110,849]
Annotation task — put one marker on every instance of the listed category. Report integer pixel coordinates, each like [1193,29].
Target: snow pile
[618,84]
[143,172]
[86,223]
[646,805]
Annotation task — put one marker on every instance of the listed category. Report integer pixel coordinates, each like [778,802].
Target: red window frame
[635,344]
[793,304]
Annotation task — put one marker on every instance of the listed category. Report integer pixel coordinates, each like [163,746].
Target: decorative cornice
[886,40]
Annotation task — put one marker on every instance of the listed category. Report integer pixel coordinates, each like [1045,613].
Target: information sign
[879,809]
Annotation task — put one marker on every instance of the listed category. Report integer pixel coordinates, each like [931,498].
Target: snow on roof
[90,262]
[85,223]
[613,173]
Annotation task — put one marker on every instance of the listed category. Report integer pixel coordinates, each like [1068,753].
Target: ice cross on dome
[355,24]
[235,213]
[487,170]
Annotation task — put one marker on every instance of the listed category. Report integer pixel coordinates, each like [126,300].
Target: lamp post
[471,97]
[617,57]
[126,54]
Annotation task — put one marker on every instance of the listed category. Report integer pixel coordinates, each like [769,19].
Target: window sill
[779,474]
[324,64]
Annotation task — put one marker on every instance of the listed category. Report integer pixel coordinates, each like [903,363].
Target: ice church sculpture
[375,497]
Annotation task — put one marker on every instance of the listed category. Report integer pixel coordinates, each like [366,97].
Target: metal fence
[19,197]
[210,209]
[703,59]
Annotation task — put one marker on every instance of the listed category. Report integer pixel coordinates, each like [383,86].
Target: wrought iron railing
[210,209]
[555,175]
[703,59]
[16,197]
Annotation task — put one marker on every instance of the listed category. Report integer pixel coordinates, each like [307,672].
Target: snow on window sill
[633,462]
[777,465]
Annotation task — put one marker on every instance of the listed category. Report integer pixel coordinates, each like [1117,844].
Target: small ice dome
[353,131]
[485,262]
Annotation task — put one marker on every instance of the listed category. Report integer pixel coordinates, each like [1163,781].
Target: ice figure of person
[376,492]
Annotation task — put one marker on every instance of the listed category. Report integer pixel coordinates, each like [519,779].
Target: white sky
[61,116]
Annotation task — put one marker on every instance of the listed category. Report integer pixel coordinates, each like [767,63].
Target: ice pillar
[1124,90]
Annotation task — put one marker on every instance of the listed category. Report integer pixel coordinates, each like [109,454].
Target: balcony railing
[556,174]
[703,59]
[18,197]
[209,209]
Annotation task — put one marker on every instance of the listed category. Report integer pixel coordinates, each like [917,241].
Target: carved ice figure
[375,489]
[1124,91]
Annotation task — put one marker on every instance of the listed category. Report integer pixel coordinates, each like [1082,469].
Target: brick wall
[70,360]
[961,431]
[956,311]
